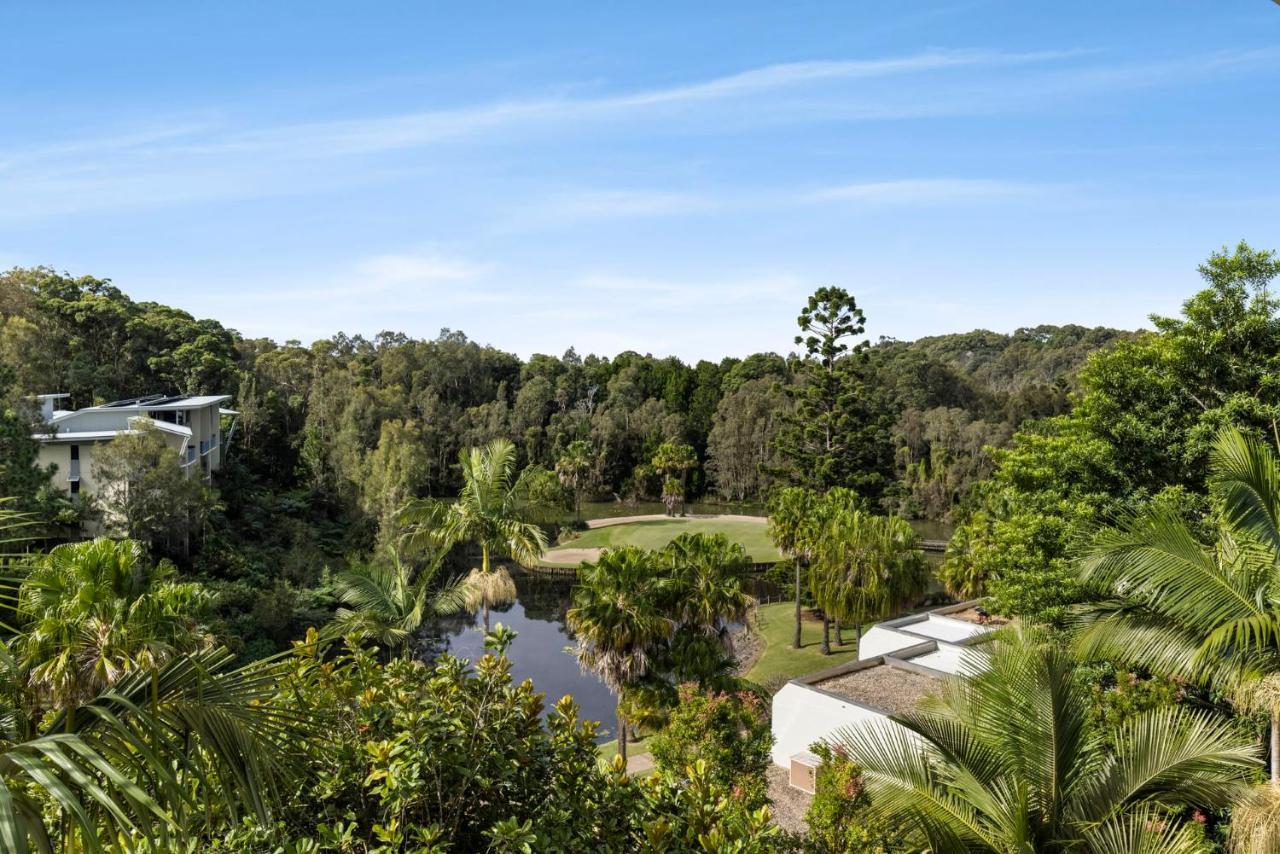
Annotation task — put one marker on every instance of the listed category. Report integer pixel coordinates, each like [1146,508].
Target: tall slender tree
[792,516]
[616,622]
[497,510]
[575,468]
[675,460]
[837,435]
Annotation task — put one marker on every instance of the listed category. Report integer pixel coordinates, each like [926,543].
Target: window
[73,471]
[75,487]
[191,453]
[182,417]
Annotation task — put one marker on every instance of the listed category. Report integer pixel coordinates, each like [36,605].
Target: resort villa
[192,426]
[900,662]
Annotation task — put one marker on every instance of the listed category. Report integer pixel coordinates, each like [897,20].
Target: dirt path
[653,517]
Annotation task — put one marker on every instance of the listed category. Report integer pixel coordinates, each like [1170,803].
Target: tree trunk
[577,504]
[857,641]
[826,635]
[622,735]
[486,616]
[1275,748]
[839,634]
[797,644]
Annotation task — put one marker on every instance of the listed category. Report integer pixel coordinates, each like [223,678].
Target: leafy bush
[839,817]
[729,732]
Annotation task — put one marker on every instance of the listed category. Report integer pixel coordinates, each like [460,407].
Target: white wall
[880,640]
[802,716]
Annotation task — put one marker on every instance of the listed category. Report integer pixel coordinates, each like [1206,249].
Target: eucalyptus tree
[575,468]
[792,516]
[1011,760]
[388,601]
[498,509]
[617,623]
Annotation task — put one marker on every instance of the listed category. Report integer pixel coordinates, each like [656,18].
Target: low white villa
[192,426]
[900,661]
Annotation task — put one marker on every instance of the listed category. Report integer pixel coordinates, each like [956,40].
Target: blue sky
[670,178]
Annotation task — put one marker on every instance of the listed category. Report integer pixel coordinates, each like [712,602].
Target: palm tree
[703,588]
[868,567]
[95,611]
[146,757]
[791,519]
[617,623]
[675,460]
[575,468]
[1204,613]
[1207,614]
[1011,760]
[388,603]
[497,510]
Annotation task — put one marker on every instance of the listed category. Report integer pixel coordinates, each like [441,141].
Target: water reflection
[538,615]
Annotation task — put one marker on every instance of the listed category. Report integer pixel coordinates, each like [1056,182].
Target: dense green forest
[1116,495]
[336,436]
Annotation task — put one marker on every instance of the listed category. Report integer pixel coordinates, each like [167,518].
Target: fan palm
[703,588]
[94,611]
[496,509]
[149,758]
[791,518]
[1011,760]
[617,623]
[388,603]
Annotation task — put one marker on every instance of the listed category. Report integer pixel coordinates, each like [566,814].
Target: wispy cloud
[922,191]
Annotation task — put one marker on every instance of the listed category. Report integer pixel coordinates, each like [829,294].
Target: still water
[542,651]
[539,653]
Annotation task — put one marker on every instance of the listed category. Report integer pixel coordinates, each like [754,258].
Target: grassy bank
[779,661]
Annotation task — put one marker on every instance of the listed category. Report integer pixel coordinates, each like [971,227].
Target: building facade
[191,425]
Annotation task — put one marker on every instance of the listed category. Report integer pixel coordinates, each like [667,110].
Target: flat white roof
[99,435]
[942,628]
[946,659]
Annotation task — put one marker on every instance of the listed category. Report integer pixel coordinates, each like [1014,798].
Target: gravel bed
[789,805]
[882,687]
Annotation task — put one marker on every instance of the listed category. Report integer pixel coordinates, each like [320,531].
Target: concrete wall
[802,716]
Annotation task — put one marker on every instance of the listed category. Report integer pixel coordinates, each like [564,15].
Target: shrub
[840,817]
[729,732]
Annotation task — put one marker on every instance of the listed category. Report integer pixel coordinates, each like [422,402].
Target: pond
[540,652]
[543,650]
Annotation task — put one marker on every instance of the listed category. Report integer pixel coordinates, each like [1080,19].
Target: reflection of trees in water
[543,597]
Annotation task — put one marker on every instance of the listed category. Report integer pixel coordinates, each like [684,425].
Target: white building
[900,661]
[192,426]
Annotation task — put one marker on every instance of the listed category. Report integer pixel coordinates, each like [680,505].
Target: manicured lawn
[780,661]
[654,534]
[609,749]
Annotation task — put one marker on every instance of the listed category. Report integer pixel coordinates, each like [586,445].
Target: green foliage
[837,434]
[1144,423]
[145,495]
[729,732]
[839,817]
[1015,760]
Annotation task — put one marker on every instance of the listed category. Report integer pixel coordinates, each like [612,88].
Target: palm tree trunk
[826,635]
[1275,748]
[486,616]
[839,634]
[797,644]
[622,734]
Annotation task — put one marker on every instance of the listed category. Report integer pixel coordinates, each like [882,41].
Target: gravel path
[789,805]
